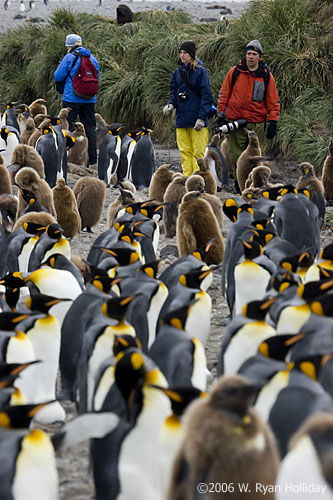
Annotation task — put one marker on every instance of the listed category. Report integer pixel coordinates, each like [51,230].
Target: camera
[182,96]
[231,126]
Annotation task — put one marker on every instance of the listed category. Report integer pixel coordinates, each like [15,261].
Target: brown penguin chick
[66,209]
[225,443]
[197,183]
[63,114]
[30,127]
[172,197]
[226,153]
[159,182]
[196,225]
[5,182]
[101,128]
[78,154]
[90,195]
[126,197]
[327,173]
[315,187]
[38,107]
[244,166]
[42,218]
[38,132]
[260,177]
[210,182]
[38,119]
[26,156]
[28,178]
[8,209]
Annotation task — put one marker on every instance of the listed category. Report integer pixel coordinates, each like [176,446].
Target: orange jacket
[236,102]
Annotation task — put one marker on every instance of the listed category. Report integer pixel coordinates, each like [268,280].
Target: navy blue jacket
[64,68]
[187,112]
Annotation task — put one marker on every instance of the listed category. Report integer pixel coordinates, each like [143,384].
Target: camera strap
[189,85]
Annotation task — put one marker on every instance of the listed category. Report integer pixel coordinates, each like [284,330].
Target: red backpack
[85,82]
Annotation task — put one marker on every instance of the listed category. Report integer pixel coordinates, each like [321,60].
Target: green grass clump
[137,59]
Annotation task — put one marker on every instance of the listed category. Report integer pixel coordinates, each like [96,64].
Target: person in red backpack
[82,107]
[249,91]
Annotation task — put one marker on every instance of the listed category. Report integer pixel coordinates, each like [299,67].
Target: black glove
[221,119]
[271,130]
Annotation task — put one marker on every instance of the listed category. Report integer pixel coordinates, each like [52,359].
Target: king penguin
[51,241]
[109,153]
[143,160]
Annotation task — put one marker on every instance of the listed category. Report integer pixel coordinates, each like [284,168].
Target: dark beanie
[254,45]
[189,47]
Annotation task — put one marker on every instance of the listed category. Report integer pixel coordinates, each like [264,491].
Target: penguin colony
[128,339]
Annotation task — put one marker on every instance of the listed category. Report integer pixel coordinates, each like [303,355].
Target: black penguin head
[327,252]
[20,416]
[11,297]
[180,397]
[150,268]
[288,189]
[117,307]
[33,228]
[277,347]
[54,231]
[14,369]
[280,281]
[124,256]
[230,208]
[129,375]
[42,303]
[252,249]
[115,128]
[294,262]
[257,309]
[13,280]
[10,320]
[312,365]
[201,253]
[323,305]
[28,196]
[123,342]
[178,317]
[314,290]
[195,278]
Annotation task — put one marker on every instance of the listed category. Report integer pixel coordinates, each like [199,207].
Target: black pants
[86,114]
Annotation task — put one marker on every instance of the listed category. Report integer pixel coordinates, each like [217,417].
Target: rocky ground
[41,9]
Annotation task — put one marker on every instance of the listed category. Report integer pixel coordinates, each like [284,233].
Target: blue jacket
[65,67]
[187,112]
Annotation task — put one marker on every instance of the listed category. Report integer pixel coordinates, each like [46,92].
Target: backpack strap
[265,76]
[188,84]
[77,55]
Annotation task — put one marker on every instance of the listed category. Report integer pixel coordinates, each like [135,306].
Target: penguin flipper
[87,426]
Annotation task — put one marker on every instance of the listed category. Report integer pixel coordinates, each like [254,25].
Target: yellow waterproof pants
[191,143]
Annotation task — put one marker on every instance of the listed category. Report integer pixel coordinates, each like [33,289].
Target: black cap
[189,47]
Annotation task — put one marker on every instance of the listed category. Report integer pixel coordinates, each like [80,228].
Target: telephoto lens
[231,126]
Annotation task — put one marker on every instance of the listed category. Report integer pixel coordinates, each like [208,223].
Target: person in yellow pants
[191,97]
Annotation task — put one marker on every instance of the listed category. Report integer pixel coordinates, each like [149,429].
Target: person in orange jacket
[249,91]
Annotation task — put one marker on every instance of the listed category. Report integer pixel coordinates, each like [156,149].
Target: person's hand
[199,124]
[221,119]
[167,109]
[271,130]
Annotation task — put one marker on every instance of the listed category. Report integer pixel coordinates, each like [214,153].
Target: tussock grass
[137,59]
